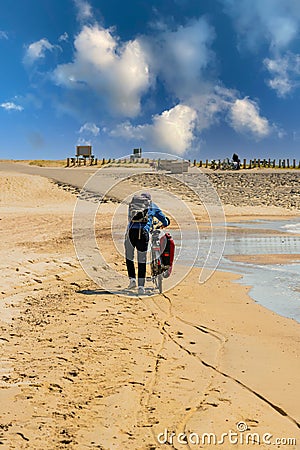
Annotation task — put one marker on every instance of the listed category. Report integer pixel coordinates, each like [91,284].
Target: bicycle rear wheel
[159,282]
[157,276]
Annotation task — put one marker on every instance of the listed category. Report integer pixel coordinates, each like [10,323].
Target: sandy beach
[82,368]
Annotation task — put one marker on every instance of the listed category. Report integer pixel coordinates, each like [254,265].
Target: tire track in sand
[156,309]
[215,369]
[167,329]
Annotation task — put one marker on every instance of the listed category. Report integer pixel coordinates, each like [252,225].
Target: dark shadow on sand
[128,293]
[93,292]
[104,292]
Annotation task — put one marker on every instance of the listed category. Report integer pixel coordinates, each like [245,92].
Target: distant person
[236,161]
[141,212]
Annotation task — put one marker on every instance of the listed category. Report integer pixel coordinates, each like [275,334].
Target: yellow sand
[82,368]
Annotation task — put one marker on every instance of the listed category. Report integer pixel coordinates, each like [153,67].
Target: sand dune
[26,190]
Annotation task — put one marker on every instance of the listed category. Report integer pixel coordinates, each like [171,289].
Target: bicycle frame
[157,267]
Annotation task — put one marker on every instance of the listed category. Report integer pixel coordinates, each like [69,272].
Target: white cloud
[180,57]
[126,130]
[10,106]
[212,106]
[63,37]
[117,74]
[285,72]
[37,50]
[273,21]
[175,130]
[82,141]
[90,128]
[171,131]
[280,132]
[112,76]
[84,10]
[277,24]
[3,35]
[244,117]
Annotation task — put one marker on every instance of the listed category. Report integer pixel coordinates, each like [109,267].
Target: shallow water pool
[275,286]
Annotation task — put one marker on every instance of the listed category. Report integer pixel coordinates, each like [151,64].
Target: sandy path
[88,369]
[82,368]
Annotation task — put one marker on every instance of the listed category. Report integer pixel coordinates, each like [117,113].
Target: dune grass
[47,162]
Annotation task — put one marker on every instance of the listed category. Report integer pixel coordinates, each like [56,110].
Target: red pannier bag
[167,248]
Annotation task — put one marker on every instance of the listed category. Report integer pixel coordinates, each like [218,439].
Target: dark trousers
[136,238]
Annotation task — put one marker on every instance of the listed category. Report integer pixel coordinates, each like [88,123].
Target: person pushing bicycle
[141,213]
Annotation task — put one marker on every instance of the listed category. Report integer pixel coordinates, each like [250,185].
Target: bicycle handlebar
[156,224]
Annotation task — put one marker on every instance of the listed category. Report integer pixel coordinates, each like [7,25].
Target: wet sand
[265,259]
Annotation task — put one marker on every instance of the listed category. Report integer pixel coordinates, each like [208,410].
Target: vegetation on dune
[47,163]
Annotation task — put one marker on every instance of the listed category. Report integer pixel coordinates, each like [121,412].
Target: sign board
[137,152]
[84,150]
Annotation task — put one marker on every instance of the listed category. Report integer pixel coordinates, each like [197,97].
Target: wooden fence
[217,164]
[253,163]
[77,161]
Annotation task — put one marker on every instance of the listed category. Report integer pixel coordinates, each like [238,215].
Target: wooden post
[96,161]
[194,162]
[200,163]
[244,164]
[254,162]
[250,164]
[258,163]
[219,164]
[279,164]
[206,163]
[103,160]
[294,164]
[288,163]
[68,162]
[283,163]
[269,162]
[274,163]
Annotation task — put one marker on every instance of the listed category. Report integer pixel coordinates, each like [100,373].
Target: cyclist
[137,236]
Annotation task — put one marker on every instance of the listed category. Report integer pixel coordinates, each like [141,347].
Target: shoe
[132,283]
[141,290]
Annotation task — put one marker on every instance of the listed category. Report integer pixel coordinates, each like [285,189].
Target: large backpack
[139,208]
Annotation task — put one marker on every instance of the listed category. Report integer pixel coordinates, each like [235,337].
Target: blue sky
[195,78]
